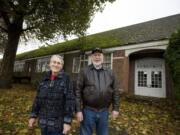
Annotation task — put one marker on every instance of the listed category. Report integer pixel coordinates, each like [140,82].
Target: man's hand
[66,128]
[115,114]
[79,116]
[31,122]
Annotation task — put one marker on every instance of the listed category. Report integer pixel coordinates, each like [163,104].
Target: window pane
[156,79]
[142,79]
[43,64]
[84,61]
[107,61]
[76,63]
[19,66]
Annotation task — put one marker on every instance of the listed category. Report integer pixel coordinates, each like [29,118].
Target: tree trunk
[9,56]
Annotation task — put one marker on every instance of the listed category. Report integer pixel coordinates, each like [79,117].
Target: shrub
[172,57]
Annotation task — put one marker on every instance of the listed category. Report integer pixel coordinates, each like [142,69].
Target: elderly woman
[54,102]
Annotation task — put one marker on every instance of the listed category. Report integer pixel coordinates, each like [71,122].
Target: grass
[138,116]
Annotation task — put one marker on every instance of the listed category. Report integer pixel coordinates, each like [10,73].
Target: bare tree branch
[33,8]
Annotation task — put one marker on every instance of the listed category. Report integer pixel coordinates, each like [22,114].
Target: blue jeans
[94,120]
[46,132]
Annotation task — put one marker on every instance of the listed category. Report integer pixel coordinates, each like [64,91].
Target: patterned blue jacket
[54,103]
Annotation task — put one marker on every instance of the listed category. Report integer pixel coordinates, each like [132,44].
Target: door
[150,77]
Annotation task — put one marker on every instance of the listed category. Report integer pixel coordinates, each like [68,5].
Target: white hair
[59,57]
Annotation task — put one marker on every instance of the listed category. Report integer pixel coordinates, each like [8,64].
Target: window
[107,61]
[79,63]
[82,61]
[43,64]
[142,79]
[156,79]
[76,63]
[19,66]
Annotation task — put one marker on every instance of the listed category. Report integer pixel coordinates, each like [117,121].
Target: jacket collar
[92,67]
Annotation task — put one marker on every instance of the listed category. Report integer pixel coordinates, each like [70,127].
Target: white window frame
[74,70]
[82,59]
[43,63]
[111,59]
[19,66]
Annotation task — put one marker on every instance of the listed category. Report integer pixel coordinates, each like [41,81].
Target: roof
[147,31]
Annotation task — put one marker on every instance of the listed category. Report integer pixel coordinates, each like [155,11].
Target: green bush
[172,57]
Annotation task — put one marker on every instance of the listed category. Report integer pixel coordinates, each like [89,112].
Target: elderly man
[96,90]
[54,103]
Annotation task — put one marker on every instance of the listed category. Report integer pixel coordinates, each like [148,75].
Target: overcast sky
[123,13]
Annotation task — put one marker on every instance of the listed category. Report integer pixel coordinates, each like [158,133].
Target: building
[135,53]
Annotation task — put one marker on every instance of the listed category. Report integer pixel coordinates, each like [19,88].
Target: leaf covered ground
[138,116]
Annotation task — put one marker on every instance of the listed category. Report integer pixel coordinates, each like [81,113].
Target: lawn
[138,115]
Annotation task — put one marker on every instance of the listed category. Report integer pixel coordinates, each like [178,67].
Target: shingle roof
[147,31]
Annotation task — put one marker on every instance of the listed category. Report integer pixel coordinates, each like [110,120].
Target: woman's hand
[114,114]
[66,128]
[31,123]
[79,116]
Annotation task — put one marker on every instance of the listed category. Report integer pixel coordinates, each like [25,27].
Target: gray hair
[59,57]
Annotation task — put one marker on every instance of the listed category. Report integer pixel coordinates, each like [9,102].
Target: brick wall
[121,69]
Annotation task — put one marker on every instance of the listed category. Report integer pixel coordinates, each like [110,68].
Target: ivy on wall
[172,57]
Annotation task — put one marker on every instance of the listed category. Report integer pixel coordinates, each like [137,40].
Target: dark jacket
[96,89]
[54,104]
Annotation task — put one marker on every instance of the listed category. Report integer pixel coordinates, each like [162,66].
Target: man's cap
[96,50]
